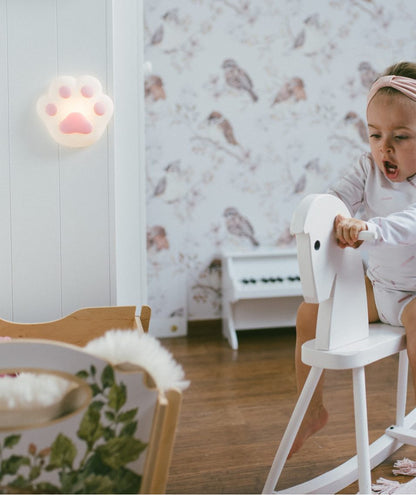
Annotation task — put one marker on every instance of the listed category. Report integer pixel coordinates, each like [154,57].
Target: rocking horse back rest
[331,277]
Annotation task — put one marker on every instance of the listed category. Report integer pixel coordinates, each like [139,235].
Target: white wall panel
[85,231]
[129,152]
[5,244]
[59,206]
[85,173]
[35,204]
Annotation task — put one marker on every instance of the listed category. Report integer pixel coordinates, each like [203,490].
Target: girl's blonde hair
[404,69]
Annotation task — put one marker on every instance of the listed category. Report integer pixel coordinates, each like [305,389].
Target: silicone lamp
[75,110]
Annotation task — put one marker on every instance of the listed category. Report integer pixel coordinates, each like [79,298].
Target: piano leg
[228,327]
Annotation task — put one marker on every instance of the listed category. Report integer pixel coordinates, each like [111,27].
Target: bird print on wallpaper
[217,119]
[153,88]
[311,39]
[157,36]
[172,186]
[367,74]
[172,33]
[308,181]
[300,184]
[293,89]
[238,225]
[352,119]
[157,238]
[237,78]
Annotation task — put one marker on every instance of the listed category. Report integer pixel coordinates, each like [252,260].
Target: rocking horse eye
[317,245]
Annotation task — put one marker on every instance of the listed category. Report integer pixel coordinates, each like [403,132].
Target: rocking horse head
[319,256]
[330,276]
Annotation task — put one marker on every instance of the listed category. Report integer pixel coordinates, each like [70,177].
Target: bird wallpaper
[249,106]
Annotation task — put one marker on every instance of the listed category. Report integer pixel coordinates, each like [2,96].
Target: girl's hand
[346,231]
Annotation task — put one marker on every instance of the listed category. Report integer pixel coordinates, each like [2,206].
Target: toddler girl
[383,184]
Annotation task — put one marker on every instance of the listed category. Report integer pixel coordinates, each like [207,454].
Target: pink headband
[405,85]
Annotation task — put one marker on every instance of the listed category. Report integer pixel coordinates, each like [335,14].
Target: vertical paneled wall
[85,174]
[58,206]
[5,224]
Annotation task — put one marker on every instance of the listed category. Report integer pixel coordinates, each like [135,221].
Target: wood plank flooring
[238,405]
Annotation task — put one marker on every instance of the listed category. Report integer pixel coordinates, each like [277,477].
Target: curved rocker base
[346,473]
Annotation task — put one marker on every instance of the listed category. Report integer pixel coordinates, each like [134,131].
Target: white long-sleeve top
[389,208]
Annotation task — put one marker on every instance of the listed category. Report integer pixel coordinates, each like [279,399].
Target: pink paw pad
[51,109]
[65,91]
[87,91]
[75,111]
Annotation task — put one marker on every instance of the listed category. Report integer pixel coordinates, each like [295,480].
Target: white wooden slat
[35,204]
[111,156]
[86,172]
[5,234]
[129,152]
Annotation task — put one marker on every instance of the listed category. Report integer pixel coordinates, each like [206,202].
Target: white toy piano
[260,289]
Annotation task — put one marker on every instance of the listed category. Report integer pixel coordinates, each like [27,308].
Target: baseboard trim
[168,327]
[205,328]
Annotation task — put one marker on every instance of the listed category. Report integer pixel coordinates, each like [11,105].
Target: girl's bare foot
[312,422]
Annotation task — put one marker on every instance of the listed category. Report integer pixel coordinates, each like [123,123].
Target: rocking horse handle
[366,235]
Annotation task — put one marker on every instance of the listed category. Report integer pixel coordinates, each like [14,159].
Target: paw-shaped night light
[75,111]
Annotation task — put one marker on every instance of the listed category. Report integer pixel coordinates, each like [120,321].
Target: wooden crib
[113,432]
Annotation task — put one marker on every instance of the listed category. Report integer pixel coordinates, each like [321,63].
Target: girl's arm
[395,229]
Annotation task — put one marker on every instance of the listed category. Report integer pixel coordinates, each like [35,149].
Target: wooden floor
[238,405]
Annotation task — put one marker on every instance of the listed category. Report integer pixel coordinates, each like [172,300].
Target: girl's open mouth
[391,170]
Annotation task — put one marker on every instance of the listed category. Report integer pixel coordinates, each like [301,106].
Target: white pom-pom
[131,346]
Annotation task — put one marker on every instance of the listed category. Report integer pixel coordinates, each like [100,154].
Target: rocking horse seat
[383,341]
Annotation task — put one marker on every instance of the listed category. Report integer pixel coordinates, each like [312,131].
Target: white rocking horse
[334,278]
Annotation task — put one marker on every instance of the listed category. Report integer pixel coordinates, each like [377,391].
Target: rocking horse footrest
[404,435]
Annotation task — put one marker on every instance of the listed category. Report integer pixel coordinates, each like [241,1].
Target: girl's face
[392,132]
